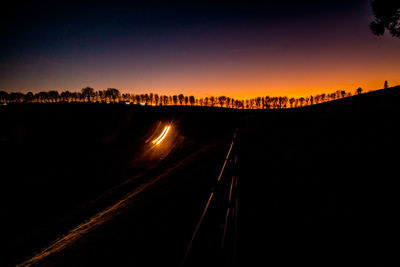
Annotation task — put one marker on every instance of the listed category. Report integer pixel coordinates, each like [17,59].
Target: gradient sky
[236,48]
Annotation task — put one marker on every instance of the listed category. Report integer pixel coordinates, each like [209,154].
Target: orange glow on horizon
[257,84]
[242,93]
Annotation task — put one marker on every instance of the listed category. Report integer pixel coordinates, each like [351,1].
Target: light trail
[159,137]
[162,136]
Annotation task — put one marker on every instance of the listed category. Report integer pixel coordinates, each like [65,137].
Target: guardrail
[228,245]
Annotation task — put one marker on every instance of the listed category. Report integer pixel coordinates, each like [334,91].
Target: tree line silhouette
[113,95]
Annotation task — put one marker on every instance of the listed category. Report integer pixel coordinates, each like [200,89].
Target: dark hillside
[319,184]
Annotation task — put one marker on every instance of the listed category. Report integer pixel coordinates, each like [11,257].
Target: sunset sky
[234,48]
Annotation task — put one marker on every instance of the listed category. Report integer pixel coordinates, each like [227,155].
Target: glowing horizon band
[162,136]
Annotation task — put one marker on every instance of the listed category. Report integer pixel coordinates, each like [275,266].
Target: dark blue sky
[195,46]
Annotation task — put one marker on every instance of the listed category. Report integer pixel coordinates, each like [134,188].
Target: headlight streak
[162,136]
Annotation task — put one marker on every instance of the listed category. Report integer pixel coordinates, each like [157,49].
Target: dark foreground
[319,186]
[75,173]
[316,185]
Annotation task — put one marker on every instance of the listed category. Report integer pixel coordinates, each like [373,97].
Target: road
[150,225]
[61,188]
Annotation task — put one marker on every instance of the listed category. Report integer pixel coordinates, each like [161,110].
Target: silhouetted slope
[318,184]
[378,100]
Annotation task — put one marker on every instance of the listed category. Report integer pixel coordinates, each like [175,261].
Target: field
[316,184]
[320,188]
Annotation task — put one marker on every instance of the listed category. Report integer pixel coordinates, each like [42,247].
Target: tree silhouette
[112,93]
[16,97]
[221,100]
[267,102]
[156,99]
[307,101]
[166,100]
[137,99]
[43,97]
[75,96]
[4,97]
[302,100]
[192,100]
[387,17]
[88,92]
[65,96]
[385,85]
[212,101]
[283,101]
[291,101]
[258,102]
[102,95]
[205,102]
[53,96]
[181,98]
[151,98]
[146,99]
[28,97]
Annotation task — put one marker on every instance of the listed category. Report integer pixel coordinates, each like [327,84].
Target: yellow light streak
[162,136]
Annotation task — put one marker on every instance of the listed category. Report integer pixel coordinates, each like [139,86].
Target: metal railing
[227,251]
